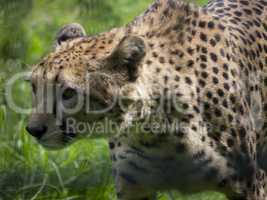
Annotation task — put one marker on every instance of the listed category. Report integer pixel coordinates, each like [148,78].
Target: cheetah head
[86,79]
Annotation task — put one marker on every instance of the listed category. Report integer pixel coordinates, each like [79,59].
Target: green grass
[27,171]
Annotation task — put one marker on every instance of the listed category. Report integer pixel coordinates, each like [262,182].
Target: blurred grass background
[27,171]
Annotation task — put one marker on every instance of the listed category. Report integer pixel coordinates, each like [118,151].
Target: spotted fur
[213,61]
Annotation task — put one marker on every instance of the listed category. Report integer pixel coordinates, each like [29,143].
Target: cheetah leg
[130,192]
[237,198]
[149,197]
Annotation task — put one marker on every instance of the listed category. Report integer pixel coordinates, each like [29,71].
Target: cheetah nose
[36,131]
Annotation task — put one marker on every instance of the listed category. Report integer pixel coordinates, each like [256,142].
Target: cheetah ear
[128,54]
[69,31]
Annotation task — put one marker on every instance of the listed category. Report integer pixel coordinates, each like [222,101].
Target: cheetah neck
[160,15]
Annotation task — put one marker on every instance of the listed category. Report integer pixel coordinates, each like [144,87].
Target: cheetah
[198,72]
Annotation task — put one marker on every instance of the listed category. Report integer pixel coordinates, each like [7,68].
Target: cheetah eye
[68,94]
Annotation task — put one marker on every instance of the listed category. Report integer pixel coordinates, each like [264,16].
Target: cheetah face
[82,82]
